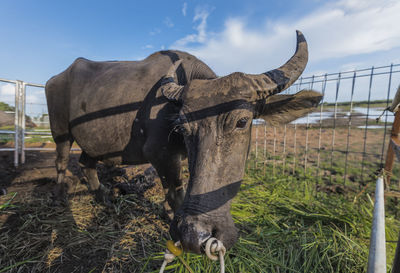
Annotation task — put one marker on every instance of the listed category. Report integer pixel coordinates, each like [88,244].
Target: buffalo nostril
[213,232]
[193,238]
[203,236]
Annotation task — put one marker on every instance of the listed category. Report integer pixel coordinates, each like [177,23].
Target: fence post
[334,120]
[23,111]
[255,163]
[16,124]
[377,248]
[349,127]
[390,152]
[284,150]
[307,127]
[20,111]
[366,124]
[273,163]
[320,124]
[265,146]
[294,148]
[386,115]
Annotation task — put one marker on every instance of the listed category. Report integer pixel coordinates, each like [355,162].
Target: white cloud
[201,14]
[352,66]
[168,22]
[155,31]
[7,93]
[352,27]
[148,47]
[33,99]
[184,9]
[7,90]
[335,30]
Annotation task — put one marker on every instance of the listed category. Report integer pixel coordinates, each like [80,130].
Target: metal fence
[28,97]
[340,142]
[345,139]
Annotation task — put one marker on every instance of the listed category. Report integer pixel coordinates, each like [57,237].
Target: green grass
[287,226]
[7,204]
[373,103]
[5,107]
[9,138]
[8,127]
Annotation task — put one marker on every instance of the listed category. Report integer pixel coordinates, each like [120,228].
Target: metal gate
[19,131]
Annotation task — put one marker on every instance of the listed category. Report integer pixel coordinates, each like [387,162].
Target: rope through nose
[168,257]
[213,245]
[173,250]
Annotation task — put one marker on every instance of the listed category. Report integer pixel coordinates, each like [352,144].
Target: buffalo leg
[62,150]
[88,165]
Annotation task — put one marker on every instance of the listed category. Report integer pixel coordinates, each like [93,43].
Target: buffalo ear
[282,109]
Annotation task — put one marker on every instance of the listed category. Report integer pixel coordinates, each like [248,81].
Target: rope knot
[168,256]
[213,245]
[214,250]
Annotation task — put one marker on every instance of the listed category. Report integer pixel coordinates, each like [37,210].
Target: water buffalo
[164,108]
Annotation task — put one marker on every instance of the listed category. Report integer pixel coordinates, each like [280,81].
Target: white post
[16,124]
[377,248]
[20,110]
[23,110]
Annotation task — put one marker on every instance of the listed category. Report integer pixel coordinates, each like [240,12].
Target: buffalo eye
[241,123]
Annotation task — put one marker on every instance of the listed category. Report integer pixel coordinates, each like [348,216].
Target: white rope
[213,245]
[164,264]
[396,102]
[168,257]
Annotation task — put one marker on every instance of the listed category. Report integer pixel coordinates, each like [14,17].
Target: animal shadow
[83,235]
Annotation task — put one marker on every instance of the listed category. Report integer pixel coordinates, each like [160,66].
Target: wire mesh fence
[345,139]
[341,142]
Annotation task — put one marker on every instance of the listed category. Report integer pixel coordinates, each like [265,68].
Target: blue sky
[41,38]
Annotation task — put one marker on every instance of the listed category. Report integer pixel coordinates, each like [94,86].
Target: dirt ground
[82,236]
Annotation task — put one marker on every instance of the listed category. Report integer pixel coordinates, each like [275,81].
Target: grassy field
[373,104]
[287,224]
[31,138]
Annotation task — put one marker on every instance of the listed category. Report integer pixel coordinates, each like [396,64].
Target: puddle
[313,118]
[374,113]
[373,127]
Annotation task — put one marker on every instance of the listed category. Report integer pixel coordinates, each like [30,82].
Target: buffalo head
[215,118]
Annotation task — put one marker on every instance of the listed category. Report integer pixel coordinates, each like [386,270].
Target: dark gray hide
[166,107]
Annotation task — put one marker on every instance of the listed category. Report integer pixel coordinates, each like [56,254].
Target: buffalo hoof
[103,196]
[60,195]
[3,191]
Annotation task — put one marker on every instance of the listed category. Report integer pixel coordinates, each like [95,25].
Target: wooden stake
[390,152]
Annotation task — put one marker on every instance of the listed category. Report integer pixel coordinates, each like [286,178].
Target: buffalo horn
[281,78]
[169,88]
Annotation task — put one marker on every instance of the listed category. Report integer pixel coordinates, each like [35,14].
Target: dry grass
[83,236]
